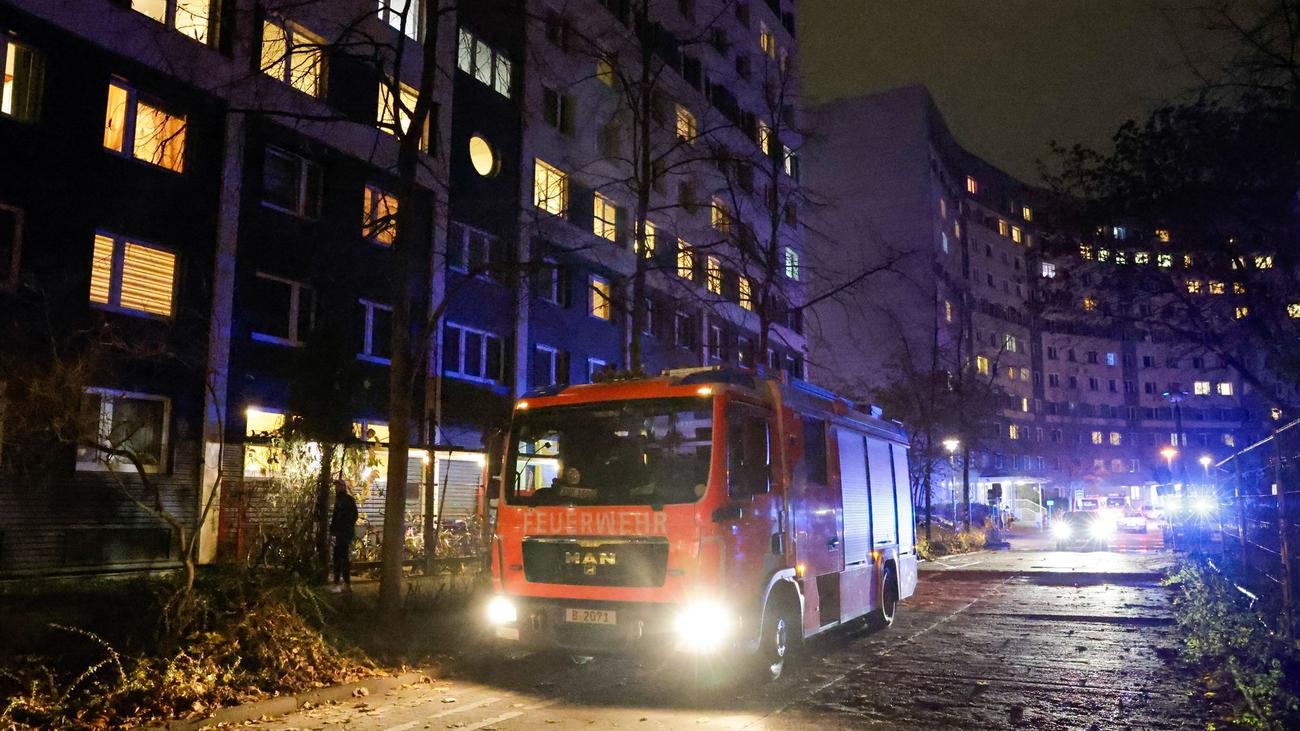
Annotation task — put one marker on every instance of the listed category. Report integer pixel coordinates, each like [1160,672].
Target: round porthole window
[483,157]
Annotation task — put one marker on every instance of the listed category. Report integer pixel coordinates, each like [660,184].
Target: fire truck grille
[640,563]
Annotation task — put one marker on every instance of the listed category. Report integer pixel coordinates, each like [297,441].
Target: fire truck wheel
[780,634]
[884,614]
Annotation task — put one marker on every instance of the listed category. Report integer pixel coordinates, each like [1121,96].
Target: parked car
[1082,530]
[1132,521]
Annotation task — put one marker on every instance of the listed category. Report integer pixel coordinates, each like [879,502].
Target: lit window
[1089,304]
[1216,287]
[1027,213]
[947,311]
[1121,257]
[972,187]
[379,216]
[1224,388]
[1103,255]
[489,66]
[132,277]
[127,423]
[1097,437]
[1016,235]
[790,163]
[604,220]
[792,267]
[11,239]
[1024,405]
[1013,431]
[189,17]
[1193,286]
[1116,439]
[685,124]
[1085,252]
[1141,257]
[1187,261]
[376,332]
[766,40]
[291,183]
[1229,440]
[482,157]
[1241,311]
[943,208]
[395,112]
[404,16]
[1119,232]
[1004,228]
[1048,270]
[282,311]
[550,189]
[685,260]
[261,422]
[605,71]
[1164,261]
[1238,288]
[1162,235]
[293,55]
[472,355]
[943,241]
[719,216]
[982,365]
[1112,359]
[1293,310]
[1264,262]
[647,244]
[1201,388]
[713,274]
[599,304]
[1009,343]
[20,97]
[746,293]
[143,130]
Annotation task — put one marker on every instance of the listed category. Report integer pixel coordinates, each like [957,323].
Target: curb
[285,704]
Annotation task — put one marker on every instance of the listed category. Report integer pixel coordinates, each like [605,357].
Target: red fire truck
[705,509]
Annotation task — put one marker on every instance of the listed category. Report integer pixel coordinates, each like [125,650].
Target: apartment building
[1081,410]
[213,184]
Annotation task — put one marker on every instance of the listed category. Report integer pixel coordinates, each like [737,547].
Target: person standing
[343,527]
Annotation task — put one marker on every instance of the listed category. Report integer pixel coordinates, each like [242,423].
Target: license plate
[590,616]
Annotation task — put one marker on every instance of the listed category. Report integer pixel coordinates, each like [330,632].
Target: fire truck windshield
[636,452]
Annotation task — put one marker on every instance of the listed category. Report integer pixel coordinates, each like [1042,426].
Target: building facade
[1078,410]
[232,168]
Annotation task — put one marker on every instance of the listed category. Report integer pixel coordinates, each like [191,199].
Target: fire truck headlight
[1061,530]
[1203,506]
[703,625]
[1102,529]
[501,610]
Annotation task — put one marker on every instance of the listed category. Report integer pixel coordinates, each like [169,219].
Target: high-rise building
[601,185]
[1077,410]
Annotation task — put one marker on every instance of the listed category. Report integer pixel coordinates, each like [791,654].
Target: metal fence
[1259,488]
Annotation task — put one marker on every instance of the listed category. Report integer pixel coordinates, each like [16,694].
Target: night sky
[1008,75]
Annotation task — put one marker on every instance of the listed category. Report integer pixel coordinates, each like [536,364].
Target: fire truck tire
[781,635]
[885,612]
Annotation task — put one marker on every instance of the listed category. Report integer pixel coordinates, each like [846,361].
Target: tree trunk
[324,482]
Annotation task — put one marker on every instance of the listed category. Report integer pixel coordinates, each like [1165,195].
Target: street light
[1205,461]
[1169,453]
[951,444]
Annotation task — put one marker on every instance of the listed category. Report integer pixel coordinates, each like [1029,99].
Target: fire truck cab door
[815,503]
[752,515]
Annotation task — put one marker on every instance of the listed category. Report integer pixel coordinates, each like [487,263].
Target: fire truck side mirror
[728,513]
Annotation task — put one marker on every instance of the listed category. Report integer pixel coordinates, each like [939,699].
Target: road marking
[440,714]
[507,716]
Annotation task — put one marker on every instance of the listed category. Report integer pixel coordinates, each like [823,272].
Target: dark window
[747,452]
[557,110]
[814,449]
[291,183]
[11,227]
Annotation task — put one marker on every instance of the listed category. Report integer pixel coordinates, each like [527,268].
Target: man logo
[589,560]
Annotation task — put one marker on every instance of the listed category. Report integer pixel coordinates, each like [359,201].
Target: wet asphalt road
[1027,638]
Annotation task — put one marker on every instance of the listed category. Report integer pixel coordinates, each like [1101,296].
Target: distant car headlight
[1204,506]
[1101,529]
[1062,530]
[703,625]
[501,610]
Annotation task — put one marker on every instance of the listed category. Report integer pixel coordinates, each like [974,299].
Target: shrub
[1235,646]
[945,542]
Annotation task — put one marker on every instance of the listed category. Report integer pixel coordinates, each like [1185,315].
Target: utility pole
[1287,605]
